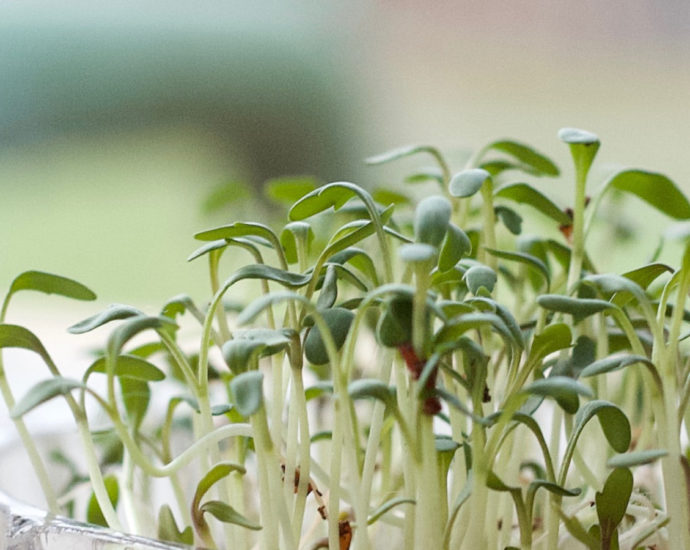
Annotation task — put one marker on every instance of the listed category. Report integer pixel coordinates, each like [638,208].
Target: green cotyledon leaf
[526,259]
[359,259]
[563,389]
[432,216]
[466,183]
[553,338]
[131,327]
[239,229]
[583,145]
[612,502]
[524,193]
[114,312]
[406,151]
[293,234]
[536,161]
[44,391]
[215,474]
[269,273]
[418,253]
[579,308]
[168,529]
[51,284]
[455,245]
[373,389]
[136,397]
[511,219]
[636,458]
[614,423]
[247,392]
[480,276]
[16,336]
[129,366]
[338,321]
[333,195]
[614,363]
[227,514]
[655,189]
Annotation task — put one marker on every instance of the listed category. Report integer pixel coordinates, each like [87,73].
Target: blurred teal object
[255,75]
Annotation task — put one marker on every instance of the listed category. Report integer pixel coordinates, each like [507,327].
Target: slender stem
[291,442]
[408,453]
[420,340]
[129,500]
[629,331]
[489,224]
[578,237]
[524,520]
[300,404]
[375,430]
[359,504]
[342,404]
[430,522]
[552,518]
[198,448]
[180,499]
[30,446]
[95,474]
[24,435]
[180,359]
[445,169]
[474,538]
[202,374]
[266,453]
[458,424]
[270,533]
[675,487]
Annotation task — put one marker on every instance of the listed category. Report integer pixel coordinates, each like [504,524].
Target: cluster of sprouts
[416,373]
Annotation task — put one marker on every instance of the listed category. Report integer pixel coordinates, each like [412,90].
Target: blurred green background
[117,120]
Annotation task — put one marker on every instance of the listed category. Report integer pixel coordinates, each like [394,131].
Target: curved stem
[95,473]
[200,446]
[30,446]
[213,259]
[24,435]
[180,359]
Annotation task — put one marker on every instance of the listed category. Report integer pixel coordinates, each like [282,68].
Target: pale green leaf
[227,514]
[432,216]
[655,189]
[114,312]
[247,392]
[636,458]
[468,182]
[51,284]
[44,391]
[523,193]
[527,155]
